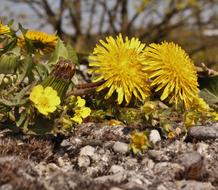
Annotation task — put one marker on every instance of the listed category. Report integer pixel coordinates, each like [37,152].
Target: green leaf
[208,96]
[62,51]
[209,89]
[72,55]
[25,69]
[209,83]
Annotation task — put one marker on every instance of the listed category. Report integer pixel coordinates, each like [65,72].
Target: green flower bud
[60,77]
[8,63]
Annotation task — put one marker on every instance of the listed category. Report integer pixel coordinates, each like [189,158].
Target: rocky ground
[96,157]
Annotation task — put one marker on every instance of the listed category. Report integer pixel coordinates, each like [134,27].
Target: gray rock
[116,168]
[154,136]
[87,151]
[203,132]
[194,185]
[84,161]
[120,147]
[193,163]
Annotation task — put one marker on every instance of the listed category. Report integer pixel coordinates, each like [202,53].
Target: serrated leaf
[208,96]
[209,89]
[72,55]
[62,51]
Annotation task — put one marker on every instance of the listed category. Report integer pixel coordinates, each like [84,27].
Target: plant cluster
[153,86]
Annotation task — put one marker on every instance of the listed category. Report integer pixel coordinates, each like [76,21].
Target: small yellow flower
[172,72]
[45,100]
[190,119]
[200,105]
[139,141]
[171,135]
[40,40]
[80,102]
[149,107]
[4,29]
[81,112]
[117,63]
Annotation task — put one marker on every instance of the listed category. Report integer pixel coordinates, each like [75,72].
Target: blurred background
[193,24]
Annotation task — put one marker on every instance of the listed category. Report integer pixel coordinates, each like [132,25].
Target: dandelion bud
[60,77]
[8,63]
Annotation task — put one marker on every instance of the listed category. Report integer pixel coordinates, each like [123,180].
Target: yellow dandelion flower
[81,112]
[4,29]
[40,40]
[45,100]
[117,63]
[171,71]
[139,141]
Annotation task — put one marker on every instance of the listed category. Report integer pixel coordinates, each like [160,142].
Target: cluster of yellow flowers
[4,29]
[131,69]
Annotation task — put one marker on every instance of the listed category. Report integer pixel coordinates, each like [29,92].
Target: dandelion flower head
[40,40]
[116,61]
[172,72]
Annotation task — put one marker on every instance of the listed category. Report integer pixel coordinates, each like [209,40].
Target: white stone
[87,151]
[154,136]
[116,168]
[120,147]
[84,161]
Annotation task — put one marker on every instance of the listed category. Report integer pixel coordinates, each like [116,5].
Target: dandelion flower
[40,40]
[117,63]
[172,71]
[4,29]
[45,100]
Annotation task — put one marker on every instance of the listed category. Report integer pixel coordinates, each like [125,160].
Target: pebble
[115,188]
[193,163]
[202,148]
[154,136]
[120,147]
[116,168]
[168,171]
[84,161]
[87,151]
[203,132]
[194,185]
[158,155]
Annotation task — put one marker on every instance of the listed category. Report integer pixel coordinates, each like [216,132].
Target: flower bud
[60,77]
[8,63]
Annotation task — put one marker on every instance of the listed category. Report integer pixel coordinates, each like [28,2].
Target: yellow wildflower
[200,105]
[171,135]
[4,29]
[117,63]
[139,141]
[81,112]
[45,100]
[40,40]
[190,119]
[172,71]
